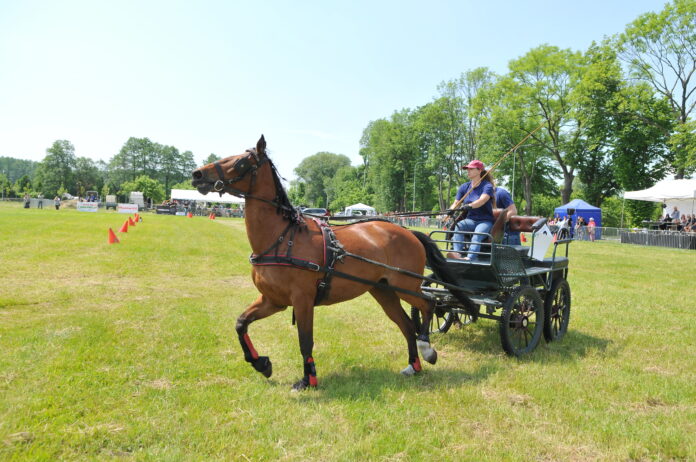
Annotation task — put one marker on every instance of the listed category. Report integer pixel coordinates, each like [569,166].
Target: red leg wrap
[417,365]
[252,350]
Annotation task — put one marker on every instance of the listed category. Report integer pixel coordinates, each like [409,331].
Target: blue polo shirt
[485,212]
[503,200]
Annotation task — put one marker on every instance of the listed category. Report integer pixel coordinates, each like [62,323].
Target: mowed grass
[129,351]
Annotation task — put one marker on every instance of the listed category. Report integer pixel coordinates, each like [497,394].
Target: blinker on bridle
[242,166]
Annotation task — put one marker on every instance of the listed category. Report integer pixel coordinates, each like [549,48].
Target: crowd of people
[676,221]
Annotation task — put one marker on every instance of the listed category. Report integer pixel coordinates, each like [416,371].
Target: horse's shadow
[355,383]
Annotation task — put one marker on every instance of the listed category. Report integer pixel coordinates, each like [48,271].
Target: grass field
[128,351]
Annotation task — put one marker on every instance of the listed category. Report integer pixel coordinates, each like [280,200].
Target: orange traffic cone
[190,215]
[522,237]
[211,216]
[137,217]
[131,222]
[124,228]
[112,237]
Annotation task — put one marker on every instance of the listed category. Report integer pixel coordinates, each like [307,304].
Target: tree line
[140,165]
[615,117]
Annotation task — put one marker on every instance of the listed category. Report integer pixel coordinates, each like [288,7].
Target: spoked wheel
[522,321]
[557,310]
[441,320]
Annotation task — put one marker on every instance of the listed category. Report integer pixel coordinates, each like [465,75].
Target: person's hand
[450,212]
[466,207]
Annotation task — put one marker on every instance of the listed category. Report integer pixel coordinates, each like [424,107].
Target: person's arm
[480,202]
[511,209]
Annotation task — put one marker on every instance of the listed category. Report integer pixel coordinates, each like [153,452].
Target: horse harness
[333,249]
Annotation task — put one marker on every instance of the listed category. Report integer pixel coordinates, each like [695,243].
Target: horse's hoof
[263,365]
[409,371]
[301,384]
[427,352]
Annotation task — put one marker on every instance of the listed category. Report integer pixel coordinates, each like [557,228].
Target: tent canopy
[673,193]
[193,195]
[359,208]
[581,209]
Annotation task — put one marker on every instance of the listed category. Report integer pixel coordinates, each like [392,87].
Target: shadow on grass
[375,383]
[484,337]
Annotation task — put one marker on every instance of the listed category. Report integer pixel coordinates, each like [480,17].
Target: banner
[127,208]
[87,206]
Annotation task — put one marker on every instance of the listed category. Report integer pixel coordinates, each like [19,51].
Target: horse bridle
[242,166]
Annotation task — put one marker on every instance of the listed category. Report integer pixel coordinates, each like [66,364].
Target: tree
[211,158]
[151,188]
[87,175]
[546,76]
[660,49]
[138,156]
[57,168]
[315,171]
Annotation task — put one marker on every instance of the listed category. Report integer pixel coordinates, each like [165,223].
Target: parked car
[318,213]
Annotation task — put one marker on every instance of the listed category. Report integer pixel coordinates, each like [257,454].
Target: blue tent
[580,208]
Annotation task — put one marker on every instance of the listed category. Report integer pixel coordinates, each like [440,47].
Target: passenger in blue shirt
[504,201]
[479,202]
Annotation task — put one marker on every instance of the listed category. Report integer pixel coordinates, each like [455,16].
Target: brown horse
[291,261]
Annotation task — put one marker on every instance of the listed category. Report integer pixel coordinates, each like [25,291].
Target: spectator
[27,201]
[591,229]
[675,213]
[56,202]
[580,229]
[40,201]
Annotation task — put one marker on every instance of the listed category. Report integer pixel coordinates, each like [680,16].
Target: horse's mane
[284,206]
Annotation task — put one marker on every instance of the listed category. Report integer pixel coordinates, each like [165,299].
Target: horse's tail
[440,267]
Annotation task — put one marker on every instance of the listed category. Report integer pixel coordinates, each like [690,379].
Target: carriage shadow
[484,338]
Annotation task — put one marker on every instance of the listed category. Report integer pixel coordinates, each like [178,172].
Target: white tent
[359,209]
[679,193]
[193,195]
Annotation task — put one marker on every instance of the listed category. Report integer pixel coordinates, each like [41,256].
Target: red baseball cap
[475,164]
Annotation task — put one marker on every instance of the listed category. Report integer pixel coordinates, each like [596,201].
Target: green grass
[129,351]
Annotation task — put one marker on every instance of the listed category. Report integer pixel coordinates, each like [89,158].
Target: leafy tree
[315,171]
[16,168]
[211,158]
[186,184]
[660,49]
[347,188]
[57,168]
[5,186]
[138,156]
[151,188]
[87,175]
[546,76]
[23,185]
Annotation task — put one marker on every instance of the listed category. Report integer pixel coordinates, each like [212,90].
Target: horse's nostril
[197,175]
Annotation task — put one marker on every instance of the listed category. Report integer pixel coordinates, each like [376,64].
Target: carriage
[529,297]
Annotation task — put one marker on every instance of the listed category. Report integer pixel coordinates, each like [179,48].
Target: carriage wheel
[522,321]
[557,310]
[441,320]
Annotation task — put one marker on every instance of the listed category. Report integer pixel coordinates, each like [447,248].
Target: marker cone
[124,228]
[112,237]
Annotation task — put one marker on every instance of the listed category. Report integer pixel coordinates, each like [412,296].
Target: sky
[212,76]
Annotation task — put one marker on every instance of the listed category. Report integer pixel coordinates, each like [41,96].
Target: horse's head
[234,174]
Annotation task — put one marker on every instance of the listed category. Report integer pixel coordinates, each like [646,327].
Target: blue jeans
[476,239]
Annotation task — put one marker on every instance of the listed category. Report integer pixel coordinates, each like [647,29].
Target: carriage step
[534,270]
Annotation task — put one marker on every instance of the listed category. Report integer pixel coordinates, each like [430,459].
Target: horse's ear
[261,146]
